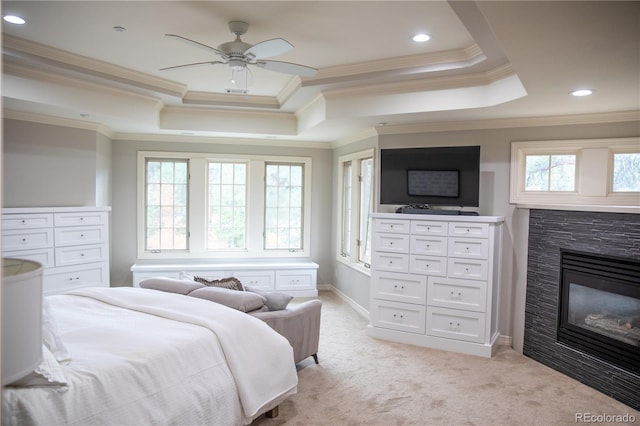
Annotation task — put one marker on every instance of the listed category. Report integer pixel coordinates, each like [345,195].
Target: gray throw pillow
[274,301]
[241,300]
[230,282]
[172,285]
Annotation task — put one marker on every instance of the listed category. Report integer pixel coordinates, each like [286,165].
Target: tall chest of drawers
[435,281]
[72,244]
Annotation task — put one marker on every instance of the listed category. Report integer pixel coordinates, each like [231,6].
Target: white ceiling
[494,61]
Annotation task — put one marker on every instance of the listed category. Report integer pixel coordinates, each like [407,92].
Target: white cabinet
[72,244]
[297,278]
[435,281]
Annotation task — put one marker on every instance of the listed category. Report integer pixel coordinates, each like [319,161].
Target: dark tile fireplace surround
[552,232]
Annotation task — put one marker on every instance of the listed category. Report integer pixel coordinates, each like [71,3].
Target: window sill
[581,208]
[355,266]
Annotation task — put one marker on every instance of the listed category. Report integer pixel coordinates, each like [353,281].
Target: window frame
[353,258]
[594,175]
[197,207]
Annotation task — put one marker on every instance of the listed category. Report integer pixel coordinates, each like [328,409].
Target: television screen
[439,176]
[439,183]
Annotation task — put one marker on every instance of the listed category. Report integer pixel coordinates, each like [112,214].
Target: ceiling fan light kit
[239,55]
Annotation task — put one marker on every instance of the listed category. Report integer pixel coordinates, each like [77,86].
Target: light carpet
[365,381]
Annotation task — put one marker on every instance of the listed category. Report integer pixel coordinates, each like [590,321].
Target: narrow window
[284,185]
[226,206]
[366,183]
[166,211]
[626,172]
[346,209]
[550,172]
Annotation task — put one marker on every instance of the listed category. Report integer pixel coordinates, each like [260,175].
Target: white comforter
[164,358]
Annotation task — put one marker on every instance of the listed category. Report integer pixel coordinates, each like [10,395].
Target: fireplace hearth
[582,335]
[599,307]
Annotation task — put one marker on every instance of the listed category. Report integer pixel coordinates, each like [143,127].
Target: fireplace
[557,332]
[599,307]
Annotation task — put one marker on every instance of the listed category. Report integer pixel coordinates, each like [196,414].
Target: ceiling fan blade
[192,65]
[269,48]
[287,68]
[198,44]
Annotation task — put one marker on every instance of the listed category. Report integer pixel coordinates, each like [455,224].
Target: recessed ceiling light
[14,19]
[582,92]
[421,38]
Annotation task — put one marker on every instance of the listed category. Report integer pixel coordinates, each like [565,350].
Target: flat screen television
[439,176]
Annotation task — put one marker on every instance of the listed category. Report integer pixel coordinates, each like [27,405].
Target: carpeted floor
[365,381]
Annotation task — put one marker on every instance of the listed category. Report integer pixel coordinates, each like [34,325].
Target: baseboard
[349,301]
[505,341]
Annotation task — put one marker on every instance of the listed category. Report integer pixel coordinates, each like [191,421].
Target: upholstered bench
[298,323]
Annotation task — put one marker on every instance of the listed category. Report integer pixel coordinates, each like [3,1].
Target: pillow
[50,336]
[171,285]
[48,373]
[241,300]
[274,301]
[231,283]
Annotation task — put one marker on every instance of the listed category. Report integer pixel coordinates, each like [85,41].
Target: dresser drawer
[395,243]
[76,255]
[398,316]
[469,229]
[80,218]
[399,287]
[264,280]
[428,265]
[473,248]
[78,235]
[457,294]
[391,225]
[296,280]
[452,324]
[468,269]
[27,239]
[27,221]
[390,262]
[428,245]
[422,227]
[43,256]
[59,280]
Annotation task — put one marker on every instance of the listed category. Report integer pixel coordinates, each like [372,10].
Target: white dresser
[297,278]
[72,243]
[435,281]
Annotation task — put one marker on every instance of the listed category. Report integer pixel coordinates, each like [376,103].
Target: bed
[138,356]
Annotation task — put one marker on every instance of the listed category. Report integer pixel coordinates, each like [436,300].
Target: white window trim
[594,171]
[352,261]
[197,206]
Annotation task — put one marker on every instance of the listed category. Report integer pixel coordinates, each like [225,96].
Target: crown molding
[230,100]
[367,133]
[66,60]
[219,140]
[425,84]
[45,76]
[508,123]
[57,121]
[435,61]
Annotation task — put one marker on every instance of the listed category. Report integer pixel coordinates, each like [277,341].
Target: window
[550,173]
[197,205]
[577,174]
[226,206]
[166,209]
[626,172]
[356,203]
[283,211]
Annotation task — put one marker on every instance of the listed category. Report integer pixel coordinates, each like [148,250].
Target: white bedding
[141,356]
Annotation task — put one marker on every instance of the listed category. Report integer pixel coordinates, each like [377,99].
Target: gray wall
[124,175]
[47,165]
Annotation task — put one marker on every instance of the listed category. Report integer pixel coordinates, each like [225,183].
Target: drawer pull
[24,222]
[466,270]
[456,296]
[390,243]
[81,235]
[24,240]
[468,230]
[398,317]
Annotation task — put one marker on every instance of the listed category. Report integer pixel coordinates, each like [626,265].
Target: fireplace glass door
[600,307]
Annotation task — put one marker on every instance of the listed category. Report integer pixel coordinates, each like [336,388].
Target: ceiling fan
[238,54]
